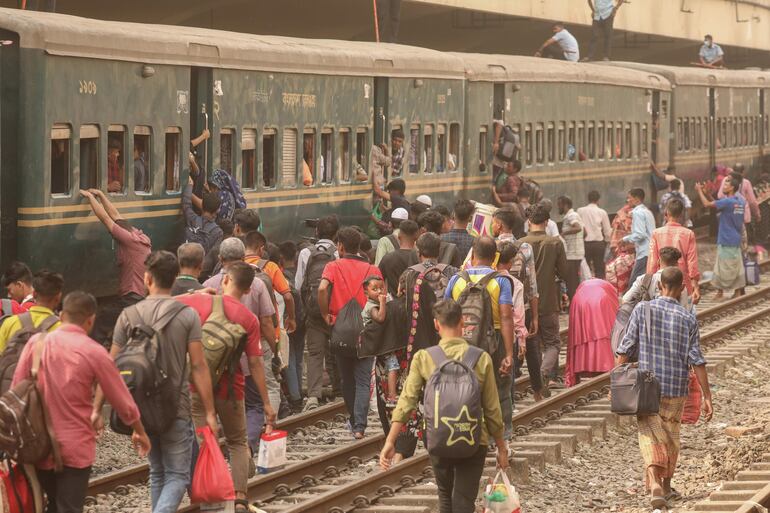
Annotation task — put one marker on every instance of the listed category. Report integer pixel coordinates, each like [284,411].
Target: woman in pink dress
[591,316]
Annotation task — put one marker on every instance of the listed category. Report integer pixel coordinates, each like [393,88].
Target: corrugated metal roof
[701,76]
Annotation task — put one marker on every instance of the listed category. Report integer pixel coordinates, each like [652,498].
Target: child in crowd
[375,310]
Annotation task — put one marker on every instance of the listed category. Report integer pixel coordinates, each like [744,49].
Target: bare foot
[719,295]
[538,396]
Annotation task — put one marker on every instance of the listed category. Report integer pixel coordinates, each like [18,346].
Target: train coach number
[87,87]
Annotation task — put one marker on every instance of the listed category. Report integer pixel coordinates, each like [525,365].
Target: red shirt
[238,314]
[71,365]
[133,249]
[347,276]
[677,236]
[16,308]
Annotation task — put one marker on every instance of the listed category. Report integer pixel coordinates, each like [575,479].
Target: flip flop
[673,495]
[658,502]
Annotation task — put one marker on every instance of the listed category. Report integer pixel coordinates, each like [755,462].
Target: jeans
[533,359]
[573,277]
[255,411]
[550,343]
[294,370]
[640,267]
[65,490]
[457,480]
[503,387]
[170,466]
[595,257]
[356,375]
[601,28]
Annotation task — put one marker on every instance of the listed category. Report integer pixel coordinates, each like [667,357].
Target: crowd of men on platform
[289,300]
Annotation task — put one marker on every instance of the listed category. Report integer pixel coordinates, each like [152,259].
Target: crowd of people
[295,320]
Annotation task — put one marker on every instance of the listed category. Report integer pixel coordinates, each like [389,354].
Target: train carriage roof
[694,76]
[512,68]
[59,34]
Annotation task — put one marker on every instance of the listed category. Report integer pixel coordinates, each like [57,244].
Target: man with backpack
[232,330]
[48,292]
[70,365]
[432,221]
[486,299]
[506,144]
[310,267]
[162,327]
[202,228]
[461,419]
[244,221]
[341,300]
[676,192]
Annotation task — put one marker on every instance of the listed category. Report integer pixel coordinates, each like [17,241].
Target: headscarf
[230,195]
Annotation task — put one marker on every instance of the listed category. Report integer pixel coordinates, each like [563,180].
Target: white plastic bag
[272,452]
[500,496]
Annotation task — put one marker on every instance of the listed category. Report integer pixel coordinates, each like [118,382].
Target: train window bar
[562,136]
[249,158]
[414,149]
[172,158]
[550,142]
[591,140]
[628,142]
[428,148]
[483,147]
[309,168]
[142,160]
[268,157]
[528,143]
[581,144]
[638,147]
[116,159]
[326,165]
[601,140]
[289,158]
[362,146]
[343,155]
[441,147]
[226,136]
[453,160]
[61,158]
[89,157]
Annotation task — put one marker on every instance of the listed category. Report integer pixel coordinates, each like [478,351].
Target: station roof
[694,76]
[512,68]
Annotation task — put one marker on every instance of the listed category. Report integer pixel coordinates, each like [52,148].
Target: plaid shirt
[460,238]
[668,347]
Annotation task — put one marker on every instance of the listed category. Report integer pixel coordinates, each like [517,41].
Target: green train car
[72,90]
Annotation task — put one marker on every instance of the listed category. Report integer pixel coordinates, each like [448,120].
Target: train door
[712,135]
[201,116]
[381,96]
[655,136]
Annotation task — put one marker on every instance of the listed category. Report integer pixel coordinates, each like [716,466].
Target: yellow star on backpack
[461,427]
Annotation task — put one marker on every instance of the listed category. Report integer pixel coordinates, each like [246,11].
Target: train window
[693,134]
[362,146]
[610,150]
[483,132]
[696,132]
[571,149]
[601,140]
[427,137]
[226,149]
[664,108]
[638,146]
[343,154]
[249,158]
[562,141]
[735,139]
[268,157]
[643,144]
[591,140]
[289,158]
[60,159]
[528,143]
[767,129]
[685,134]
[414,149]
[441,147]
[327,149]
[551,143]
[453,161]
[756,130]
[539,144]
[172,160]
[116,159]
[308,157]
[745,138]
[581,144]
[141,159]
[679,135]
[628,142]
[89,157]
[619,141]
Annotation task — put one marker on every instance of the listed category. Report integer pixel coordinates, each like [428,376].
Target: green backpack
[223,343]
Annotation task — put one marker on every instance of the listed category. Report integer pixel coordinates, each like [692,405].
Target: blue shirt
[711,54]
[603,9]
[731,210]
[642,226]
[668,347]
[568,45]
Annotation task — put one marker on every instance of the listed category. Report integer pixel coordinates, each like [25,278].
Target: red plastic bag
[691,412]
[15,490]
[211,480]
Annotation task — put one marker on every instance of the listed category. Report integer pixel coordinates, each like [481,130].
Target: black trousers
[573,277]
[66,490]
[533,359]
[457,480]
[595,257]
[601,29]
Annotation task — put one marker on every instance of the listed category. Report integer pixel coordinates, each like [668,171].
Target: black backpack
[10,356]
[141,366]
[479,330]
[320,255]
[520,272]
[347,329]
[507,150]
[378,339]
[624,316]
[207,233]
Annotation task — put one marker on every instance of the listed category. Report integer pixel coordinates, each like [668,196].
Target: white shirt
[568,45]
[573,243]
[596,223]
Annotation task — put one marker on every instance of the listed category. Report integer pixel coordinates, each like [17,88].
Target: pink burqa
[591,316]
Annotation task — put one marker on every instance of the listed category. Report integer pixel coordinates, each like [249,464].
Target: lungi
[659,436]
[729,273]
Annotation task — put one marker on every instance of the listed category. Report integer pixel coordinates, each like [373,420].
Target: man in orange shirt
[675,235]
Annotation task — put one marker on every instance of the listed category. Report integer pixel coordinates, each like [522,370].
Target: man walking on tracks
[668,342]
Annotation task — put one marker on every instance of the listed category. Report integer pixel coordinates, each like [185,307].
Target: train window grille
[767,129]
[697,144]
[602,141]
[414,149]
[343,154]
[693,135]
[685,134]
[581,141]
[539,144]
[528,144]
[572,155]
[628,142]
[562,135]
[483,145]
[89,157]
[61,140]
[551,143]
[308,156]
[591,140]
[249,158]
[755,133]
[644,140]
[735,139]
[327,156]
[441,148]
[268,157]
[453,161]
[289,158]
[679,135]
[142,159]
[362,146]
[116,159]
[745,137]
[619,150]
[226,136]
[664,108]
[610,152]
[427,138]
[172,158]
[638,146]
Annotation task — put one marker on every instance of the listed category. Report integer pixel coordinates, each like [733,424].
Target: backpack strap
[26,321]
[47,323]
[646,282]
[394,240]
[7,306]
[218,305]
[471,356]
[483,282]
[437,355]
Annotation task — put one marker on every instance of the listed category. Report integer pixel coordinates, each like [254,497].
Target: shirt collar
[42,309]
[673,223]
[74,328]
[357,257]
[669,299]
[446,343]
[28,298]
[506,237]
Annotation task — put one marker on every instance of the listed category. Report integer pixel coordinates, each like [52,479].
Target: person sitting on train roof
[507,184]
[711,54]
[17,281]
[114,167]
[202,228]
[382,159]
[48,286]
[568,49]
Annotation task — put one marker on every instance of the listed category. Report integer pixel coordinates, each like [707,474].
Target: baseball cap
[425,200]
[400,213]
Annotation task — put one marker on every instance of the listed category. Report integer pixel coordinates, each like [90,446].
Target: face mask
[707,43]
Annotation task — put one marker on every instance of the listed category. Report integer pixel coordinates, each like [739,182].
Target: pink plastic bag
[211,480]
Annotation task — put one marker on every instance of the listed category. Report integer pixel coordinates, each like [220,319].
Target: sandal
[244,505]
[658,502]
[673,495]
